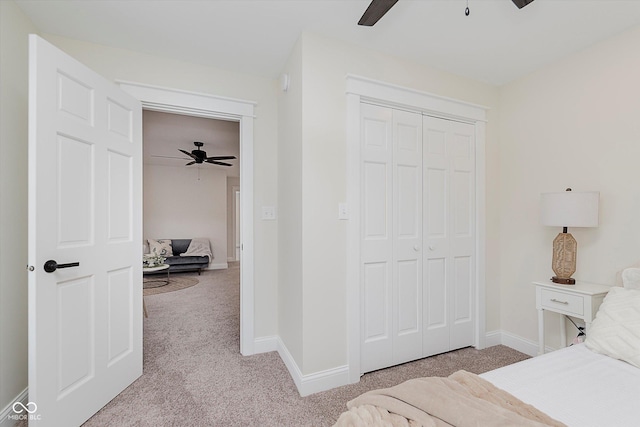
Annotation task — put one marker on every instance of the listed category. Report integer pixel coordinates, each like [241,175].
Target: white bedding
[575,386]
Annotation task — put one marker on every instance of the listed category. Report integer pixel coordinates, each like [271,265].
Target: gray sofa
[179,263]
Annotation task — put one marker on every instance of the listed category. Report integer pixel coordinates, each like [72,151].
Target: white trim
[218,266]
[4,415]
[204,105]
[187,102]
[481,260]
[359,90]
[316,382]
[513,341]
[493,338]
[414,100]
[265,344]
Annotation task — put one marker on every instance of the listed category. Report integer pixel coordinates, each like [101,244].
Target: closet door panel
[376,287]
[463,234]
[407,232]
[435,307]
[437,225]
[377,329]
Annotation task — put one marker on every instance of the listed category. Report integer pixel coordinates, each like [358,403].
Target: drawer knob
[559,302]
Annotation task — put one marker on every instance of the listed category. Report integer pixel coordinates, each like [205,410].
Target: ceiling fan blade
[189,154]
[521,3]
[191,163]
[218,163]
[376,10]
[169,157]
[220,158]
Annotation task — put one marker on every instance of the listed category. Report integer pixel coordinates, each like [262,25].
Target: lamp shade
[570,209]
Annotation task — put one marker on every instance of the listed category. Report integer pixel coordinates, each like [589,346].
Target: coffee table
[149,270]
[160,282]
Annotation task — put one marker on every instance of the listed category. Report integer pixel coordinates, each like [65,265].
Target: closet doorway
[417,236]
[415,268]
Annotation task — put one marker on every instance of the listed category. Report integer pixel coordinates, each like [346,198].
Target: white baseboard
[513,341]
[339,376]
[316,382]
[218,266]
[5,421]
[265,344]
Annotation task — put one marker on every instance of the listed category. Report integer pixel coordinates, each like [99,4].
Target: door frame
[364,90]
[167,100]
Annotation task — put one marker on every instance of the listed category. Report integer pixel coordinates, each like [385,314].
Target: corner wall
[14,29]
[575,123]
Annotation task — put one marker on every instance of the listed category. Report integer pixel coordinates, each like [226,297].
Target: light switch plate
[343,211]
[268,213]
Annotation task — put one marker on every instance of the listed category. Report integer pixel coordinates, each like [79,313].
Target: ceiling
[495,44]
[164,134]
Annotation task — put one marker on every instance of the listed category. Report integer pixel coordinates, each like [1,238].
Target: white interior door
[449,235]
[391,237]
[85,193]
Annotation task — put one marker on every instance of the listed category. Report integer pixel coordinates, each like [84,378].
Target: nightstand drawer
[554,300]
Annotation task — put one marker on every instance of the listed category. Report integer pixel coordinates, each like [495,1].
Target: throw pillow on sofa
[161,247]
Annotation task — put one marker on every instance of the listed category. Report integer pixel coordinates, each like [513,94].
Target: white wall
[576,124]
[183,203]
[325,64]
[133,66]
[14,28]
[290,208]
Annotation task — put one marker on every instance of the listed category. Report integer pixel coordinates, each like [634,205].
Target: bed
[593,384]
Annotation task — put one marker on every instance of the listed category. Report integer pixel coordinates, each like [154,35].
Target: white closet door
[407,236]
[449,235]
[463,234]
[376,237]
[391,237]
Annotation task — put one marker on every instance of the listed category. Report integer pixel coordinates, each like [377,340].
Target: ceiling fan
[377,9]
[200,156]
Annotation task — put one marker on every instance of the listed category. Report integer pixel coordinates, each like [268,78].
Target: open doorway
[205,105]
[184,199]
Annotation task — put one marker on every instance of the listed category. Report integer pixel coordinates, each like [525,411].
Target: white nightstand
[580,300]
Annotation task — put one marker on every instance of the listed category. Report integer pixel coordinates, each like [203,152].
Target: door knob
[51,265]
[432,248]
[416,248]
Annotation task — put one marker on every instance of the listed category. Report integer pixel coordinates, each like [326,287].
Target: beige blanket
[199,247]
[461,400]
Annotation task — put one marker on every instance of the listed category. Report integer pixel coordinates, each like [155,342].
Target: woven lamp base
[565,251]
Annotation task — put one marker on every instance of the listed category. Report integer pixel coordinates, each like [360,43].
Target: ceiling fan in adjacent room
[377,9]
[200,156]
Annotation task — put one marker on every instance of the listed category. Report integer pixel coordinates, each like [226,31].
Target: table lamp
[567,209]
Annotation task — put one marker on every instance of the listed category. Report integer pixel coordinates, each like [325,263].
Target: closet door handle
[416,248]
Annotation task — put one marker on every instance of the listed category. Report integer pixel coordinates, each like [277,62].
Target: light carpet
[176,282]
[194,374]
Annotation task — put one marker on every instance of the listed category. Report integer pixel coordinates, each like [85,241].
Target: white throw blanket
[199,247]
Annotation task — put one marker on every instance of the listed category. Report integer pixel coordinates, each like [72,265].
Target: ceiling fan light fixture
[200,156]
